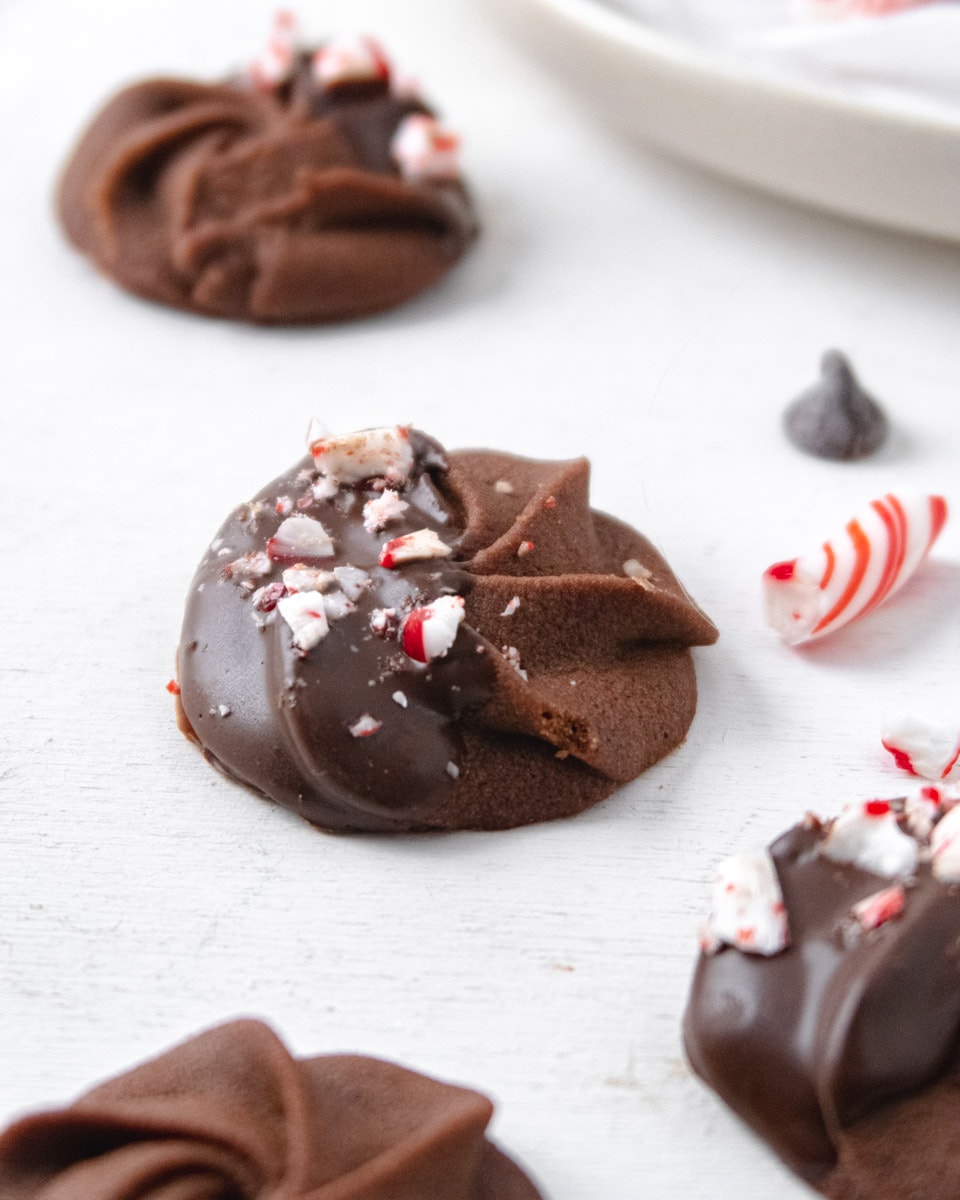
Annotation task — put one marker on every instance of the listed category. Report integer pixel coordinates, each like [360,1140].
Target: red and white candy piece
[413,547]
[251,566]
[379,512]
[274,65]
[945,848]
[365,726]
[848,576]
[430,631]
[874,911]
[929,749]
[370,454]
[747,907]
[350,60]
[867,836]
[307,579]
[300,539]
[926,805]
[423,149]
[304,612]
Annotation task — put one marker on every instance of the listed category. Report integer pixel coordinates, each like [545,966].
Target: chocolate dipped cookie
[230,1113]
[316,186]
[825,1008]
[389,637]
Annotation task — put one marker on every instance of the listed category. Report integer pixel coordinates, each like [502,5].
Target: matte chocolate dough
[231,1114]
[841,1050]
[465,643]
[316,196]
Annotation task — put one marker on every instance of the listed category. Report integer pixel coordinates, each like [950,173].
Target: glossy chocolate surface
[230,1115]
[809,1045]
[283,206]
[605,685]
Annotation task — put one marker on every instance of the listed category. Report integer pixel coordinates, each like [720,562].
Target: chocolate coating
[833,1049]
[836,418]
[230,1114]
[609,687]
[281,207]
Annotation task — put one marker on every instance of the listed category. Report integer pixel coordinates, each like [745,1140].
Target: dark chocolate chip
[836,418]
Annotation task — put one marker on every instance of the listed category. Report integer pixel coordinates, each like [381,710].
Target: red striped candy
[850,575]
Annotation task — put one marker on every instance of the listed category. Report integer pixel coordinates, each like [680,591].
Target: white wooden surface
[618,305]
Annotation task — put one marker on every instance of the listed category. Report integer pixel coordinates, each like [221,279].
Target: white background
[618,305]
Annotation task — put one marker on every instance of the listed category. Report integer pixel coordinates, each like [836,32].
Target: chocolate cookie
[392,638]
[313,188]
[825,1009]
[231,1114]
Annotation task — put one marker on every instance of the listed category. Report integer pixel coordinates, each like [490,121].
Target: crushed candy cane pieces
[512,607]
[274,65]
[379,512]
[868,836]
[504,487]
[365,726]
[299,539]
[877,552]
[429,632]
[925,748]
[414,547]
[305,614]
[424,149]
[747,907]
[254,566]
[370,454]
[525,548]
[874,911]
[350,60]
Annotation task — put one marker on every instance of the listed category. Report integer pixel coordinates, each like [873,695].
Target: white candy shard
[274,65]
[424,149]
[370,454]
[379,512]
[399,698]
[641,575]
[307,618]
[867,836]
[747,907]
[350,60]
[512,607]
[504,487]
[336,606]
[882,906]
[413,547]
[352,580]
[364,726]
[945,846]
[430,631]
[253,566]
[512,655]
[929,749]
[850,575]
[300,538]
[299,578]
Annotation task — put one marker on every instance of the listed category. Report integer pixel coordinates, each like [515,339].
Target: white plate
[880,157]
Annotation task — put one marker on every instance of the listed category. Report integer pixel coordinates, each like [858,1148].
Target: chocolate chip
[836,418]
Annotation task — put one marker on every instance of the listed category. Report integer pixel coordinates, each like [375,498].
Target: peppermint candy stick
[850,575]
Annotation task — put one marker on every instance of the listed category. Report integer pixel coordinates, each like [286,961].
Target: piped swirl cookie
[389,637]
[316,186]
